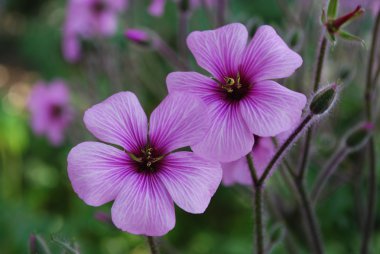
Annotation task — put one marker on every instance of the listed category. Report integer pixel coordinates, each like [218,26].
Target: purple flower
[241,97]
[146,175]
[50,110]
[86,19]
[156,8]
[238,171]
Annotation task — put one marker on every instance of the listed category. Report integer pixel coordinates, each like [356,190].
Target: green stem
[257,207]
[317,80]
[371,205]
[153,245]
[252,169]
[281,151]
[221,12]
[310,218]
[372,181]
[324,175]
[259,230]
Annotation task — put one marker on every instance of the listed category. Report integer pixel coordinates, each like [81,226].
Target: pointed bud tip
[137,36]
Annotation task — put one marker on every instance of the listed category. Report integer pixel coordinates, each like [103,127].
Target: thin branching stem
[325,174]
[283,148]
[257,208]
[317,80]
[310,218]
[372,181]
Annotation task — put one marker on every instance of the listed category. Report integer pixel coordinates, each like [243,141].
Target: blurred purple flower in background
[241,97]
[237,172]
[146,176]
[156,8]
[87,19]
[49,105]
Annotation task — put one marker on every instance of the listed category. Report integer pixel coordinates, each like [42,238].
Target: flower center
[56,111]
[147,160]
[233,89]
[98,7]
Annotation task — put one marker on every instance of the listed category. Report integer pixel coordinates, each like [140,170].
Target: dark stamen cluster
[98,7]
[234,89]
[56,111]
[148,160]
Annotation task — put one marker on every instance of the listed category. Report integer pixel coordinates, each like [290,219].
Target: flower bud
[334,25]
[138,36]
[323,99]
[358,136]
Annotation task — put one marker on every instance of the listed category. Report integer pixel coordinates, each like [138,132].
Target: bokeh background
[36,196]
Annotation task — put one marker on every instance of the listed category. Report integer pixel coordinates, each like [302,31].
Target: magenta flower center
[233,88]
[56,111]
[98,7]
[147,159]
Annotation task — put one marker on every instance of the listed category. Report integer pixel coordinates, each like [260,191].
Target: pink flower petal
[55,134]
[98,171]
[190,180]
[71,48]
[180,120]
[192,83]
[238,171]
[228,137]
[106,23]
[144,206]
[270,108]
[219,51]
[268,57]
[119,120]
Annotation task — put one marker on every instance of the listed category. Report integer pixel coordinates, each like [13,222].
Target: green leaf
[38,245]
[70,248]
[323,17]
[332,39]
[332,10]
[350,37]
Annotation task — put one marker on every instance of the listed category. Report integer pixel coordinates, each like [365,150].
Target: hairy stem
[221,12]
[153,245]
[372,182]
[252,169]
[371,205]
[259,229]
[310,219]
[182,33]
[283,148]
[169,54]
[317,80]
[325,174]
[257,208]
